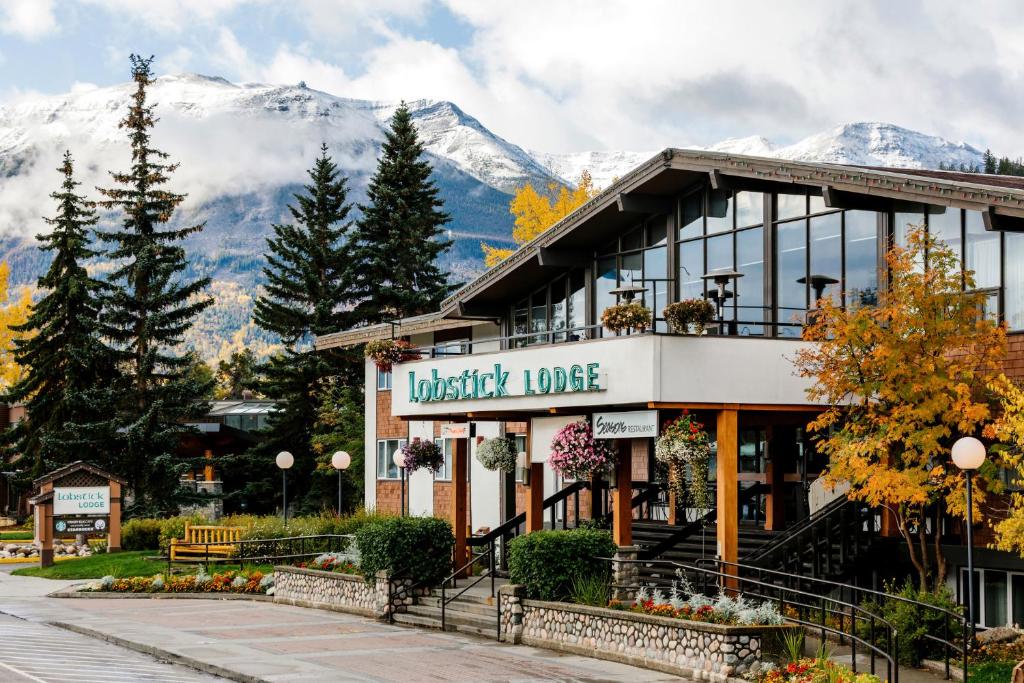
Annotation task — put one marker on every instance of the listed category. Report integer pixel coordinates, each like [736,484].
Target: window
[640,257]
[445,473]
[520,440]
[1000,596]
[1013,298]
[386,467]
[826,244]
[861,258]
[983,252]
[383,380]
[791,266]
[455,347]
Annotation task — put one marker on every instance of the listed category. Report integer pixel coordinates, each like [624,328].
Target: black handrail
[803,600]
[800,527]
[511,527]
[453,577]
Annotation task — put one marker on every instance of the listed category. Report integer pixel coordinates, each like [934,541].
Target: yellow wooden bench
[201,542]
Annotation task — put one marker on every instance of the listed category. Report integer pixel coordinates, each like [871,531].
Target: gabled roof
[78,465]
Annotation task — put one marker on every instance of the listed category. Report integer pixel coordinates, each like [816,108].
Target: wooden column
[535,498]
[774,470]
[460,488]
[208,467]
[43,514]
[622,496]
[114,535]
[727,437]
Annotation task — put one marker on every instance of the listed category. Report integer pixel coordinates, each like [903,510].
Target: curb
[939,667]
[164,655]
[110,595]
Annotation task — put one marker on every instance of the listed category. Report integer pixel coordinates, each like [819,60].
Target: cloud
[29,19]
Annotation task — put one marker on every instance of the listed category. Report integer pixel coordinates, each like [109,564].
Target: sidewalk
[260,641]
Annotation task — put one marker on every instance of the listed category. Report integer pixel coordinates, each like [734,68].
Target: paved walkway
[267,642]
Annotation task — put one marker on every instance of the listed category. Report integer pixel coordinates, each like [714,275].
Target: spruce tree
[151,305]
[307,294]
[398,239]
[67,382]
[990,161]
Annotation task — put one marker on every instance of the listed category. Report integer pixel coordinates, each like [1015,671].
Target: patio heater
[721,278]
[969,454]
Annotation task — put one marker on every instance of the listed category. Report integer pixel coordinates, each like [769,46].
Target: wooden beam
[478,311]
[648,204]
[727,463]
[839,199]
[720,181]
[737,406]
[561,258]
[1000,222]
[535,489]
[460,489]
[622,496]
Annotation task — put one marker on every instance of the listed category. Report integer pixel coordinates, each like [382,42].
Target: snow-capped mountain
[244,149]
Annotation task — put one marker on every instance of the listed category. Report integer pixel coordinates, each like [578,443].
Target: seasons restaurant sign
[496,382]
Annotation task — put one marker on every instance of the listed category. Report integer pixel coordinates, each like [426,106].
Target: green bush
[141,534]
[548,562]
[420,547]
[174,527]
[913,622]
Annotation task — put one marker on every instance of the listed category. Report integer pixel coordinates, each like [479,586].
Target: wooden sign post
[77,499]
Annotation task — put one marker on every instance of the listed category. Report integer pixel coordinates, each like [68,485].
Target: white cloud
[29,19]
[168,15]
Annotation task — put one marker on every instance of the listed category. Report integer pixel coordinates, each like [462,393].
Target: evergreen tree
[150,307]
[307,294]
[66,387]
[989,160]
[236,375]
[398,238]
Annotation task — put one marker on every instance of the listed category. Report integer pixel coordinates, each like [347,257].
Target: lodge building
[520,351]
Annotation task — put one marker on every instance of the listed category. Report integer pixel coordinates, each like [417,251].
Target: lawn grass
[120,565]
[16,536]
[991,672]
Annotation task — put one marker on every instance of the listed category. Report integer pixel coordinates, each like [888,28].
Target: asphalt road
[45,654]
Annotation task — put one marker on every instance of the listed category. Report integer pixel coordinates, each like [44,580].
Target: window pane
[792,265]
[982,252]
[719,211]
[634,239]
[1014,295]
[692,218]
[656,230]
[691,267]
[539,317]
[995,598]
[1017,581]
[604,284]
[520,322]
[558,310]
[861,257]
[790,206]
[749,209]
[944,224]
[827,255]
[720,258]
[632,270]
[656,263]
[750,262]
[903,221]
[816,204]
[577,306]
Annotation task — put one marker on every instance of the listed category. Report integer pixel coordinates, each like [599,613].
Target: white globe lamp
[968,453]
[285,460]
[341,460]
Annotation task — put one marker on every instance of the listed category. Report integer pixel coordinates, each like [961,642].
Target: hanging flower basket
[497,454]
[420,454]
[683,315]
[576,454]
[684,445]
[386,352]
[631,315]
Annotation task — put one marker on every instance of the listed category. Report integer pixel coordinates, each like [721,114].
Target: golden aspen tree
[14,311]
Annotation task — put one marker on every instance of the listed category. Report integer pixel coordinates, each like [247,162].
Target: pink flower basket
[576,454]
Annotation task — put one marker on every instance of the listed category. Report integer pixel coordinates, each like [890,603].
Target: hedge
[547,562]
[419,547]
[141,534]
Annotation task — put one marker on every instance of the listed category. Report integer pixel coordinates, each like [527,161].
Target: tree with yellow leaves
[903,380]
[536,211]
[14,311]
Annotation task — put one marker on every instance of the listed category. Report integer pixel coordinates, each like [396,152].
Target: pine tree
[151,305]
[66,387]
[398,239]
[307,293]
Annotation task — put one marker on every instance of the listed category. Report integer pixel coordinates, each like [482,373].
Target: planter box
[686,648]
[332,590]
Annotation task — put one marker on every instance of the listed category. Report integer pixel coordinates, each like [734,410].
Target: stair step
[465,597]
[454,618]
[459,605]
[419,620]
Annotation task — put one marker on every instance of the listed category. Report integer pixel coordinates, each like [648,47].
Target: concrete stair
[472,613]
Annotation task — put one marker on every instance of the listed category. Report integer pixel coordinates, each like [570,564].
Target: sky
[567,75]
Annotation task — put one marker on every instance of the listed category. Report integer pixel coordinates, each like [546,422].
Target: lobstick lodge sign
[494,382]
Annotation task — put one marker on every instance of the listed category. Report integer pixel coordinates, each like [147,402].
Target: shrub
[141,534]
[174,527]
[419,547]
[547,562]
[913,622]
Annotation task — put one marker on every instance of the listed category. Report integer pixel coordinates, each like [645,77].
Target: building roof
[78,465]
[431,322]
[644,189]
[240,407]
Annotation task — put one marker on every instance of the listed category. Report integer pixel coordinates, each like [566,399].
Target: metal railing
[454,577]
[262,550]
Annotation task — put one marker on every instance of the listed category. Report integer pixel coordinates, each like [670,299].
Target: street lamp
[340,461]
[969,454]
[284,461]
[399,459]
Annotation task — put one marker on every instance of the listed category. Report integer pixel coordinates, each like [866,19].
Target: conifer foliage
[67,387]
[150,307]
[398,238]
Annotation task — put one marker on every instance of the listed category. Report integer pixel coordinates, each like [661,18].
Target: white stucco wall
[421,482]
[485,489]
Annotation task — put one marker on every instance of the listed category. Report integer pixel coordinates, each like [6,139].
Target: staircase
[701,543]
[473,613]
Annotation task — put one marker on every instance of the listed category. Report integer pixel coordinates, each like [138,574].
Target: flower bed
[725,609]
[331,562]
[222,582]
[812,670]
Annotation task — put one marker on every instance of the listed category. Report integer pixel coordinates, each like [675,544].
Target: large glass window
[750,287]
[719,211]
[826,242]
[559,312]
[983,252]
[791,266]
[1013,298]
[520,323]
[539,317]
[944,225]
[691,267]
[861,257]
[577,309]
[642,260]
[386,467]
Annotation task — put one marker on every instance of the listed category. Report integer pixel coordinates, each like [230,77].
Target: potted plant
[421,453]
[689,314]
[576,454]
[685,443]
[497,454]
[625,316]
[386,352]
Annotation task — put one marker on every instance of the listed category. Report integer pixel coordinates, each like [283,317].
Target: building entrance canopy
[631,370]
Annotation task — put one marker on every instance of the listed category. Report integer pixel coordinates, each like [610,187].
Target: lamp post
[284,461]
[969,454]
[399,458]
[340,461]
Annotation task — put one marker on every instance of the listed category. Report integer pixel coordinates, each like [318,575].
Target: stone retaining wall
[691,649]
[341,592]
